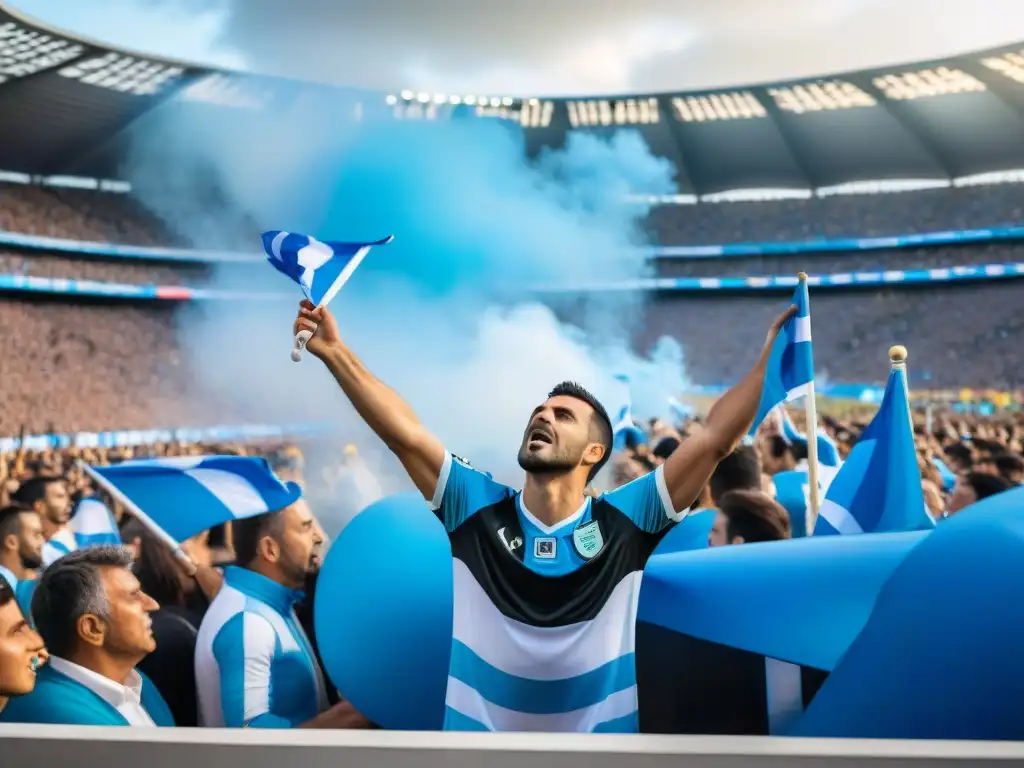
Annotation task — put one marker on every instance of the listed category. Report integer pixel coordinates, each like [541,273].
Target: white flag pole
[142,517]
[811,412]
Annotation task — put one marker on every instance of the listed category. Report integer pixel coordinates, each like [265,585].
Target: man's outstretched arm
[690,466]
[384,411]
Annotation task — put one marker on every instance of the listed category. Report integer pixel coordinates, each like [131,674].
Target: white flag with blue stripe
[878,489]
[790,371]
[320,268]
[189,494]
[828,451]
[94,524]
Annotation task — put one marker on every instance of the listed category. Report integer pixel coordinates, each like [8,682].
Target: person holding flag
[878,490]
[799,477]
[545,579]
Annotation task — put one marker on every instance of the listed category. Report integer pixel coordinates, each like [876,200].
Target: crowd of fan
[51,348]
[93,367]
[959,336]
[901,213]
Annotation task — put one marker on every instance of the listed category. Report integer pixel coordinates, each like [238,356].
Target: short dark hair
[739,471]
[984,484]
[960,453]
[778,447]
[601,425]
[247,532]
[10,520]
[34,489]
[70,588]
[6,593]
[755,516]
[665,447]
[1008,464]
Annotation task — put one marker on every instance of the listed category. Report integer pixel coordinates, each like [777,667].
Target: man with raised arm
[546,579]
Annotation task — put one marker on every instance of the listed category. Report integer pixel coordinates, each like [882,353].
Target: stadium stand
[842,144]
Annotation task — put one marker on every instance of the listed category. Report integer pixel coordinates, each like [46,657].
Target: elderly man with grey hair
[94,617]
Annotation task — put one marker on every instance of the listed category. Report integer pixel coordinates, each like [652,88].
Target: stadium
[651,238]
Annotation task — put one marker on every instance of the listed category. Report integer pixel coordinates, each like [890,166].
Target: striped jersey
[543,634]
[254,664]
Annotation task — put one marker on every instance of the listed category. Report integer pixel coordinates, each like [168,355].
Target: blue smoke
[446,313]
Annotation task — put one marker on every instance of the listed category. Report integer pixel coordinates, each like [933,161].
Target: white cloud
[540,47]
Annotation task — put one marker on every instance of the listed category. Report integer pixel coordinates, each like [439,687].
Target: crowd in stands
[959,335]
[90,367]
[48,344]
[898,213]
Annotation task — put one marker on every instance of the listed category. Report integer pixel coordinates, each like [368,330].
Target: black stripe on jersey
[690,686]
[549,601]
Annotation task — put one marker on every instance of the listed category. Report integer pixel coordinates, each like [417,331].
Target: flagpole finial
[802,277]
[898,354]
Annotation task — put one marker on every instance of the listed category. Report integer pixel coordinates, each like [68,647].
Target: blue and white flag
[320,268]
[681,412]
[94,525]
[878,489]
[623,428]
[828,451]
[790,371]
[185,495]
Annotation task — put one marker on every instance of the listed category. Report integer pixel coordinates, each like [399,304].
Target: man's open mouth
[540,436]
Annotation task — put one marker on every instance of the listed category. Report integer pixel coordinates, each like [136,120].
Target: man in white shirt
[47,495]
[94,617]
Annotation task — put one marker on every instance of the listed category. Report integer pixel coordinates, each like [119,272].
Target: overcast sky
[541,47]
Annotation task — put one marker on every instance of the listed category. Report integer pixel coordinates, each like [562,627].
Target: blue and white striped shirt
[254,664]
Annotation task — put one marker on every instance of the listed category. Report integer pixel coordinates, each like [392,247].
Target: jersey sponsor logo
[511,543]
[463,461]
[545,549]
[588,539]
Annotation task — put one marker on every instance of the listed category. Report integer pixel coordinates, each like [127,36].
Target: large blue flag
[320,268]
[790,371]
[188,494]
[878,489]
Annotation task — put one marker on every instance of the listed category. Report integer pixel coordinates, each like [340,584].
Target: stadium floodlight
[925,83]
[825,95]
[126,74]
[594,112]
[735,105]
[391,100]
[1009,65]
[507,101]
[423,98]
[407,95]
[440,98]
[25,51]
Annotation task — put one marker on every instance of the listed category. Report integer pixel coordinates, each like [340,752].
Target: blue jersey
[544,616]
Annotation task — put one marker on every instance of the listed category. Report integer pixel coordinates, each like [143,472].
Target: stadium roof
[64,101]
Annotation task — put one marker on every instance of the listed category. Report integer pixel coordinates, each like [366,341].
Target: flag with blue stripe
[681,412]
[93,524]
[623,428]
[878,489]
[320,268]
[790,371]
[828,451]
[185,495]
